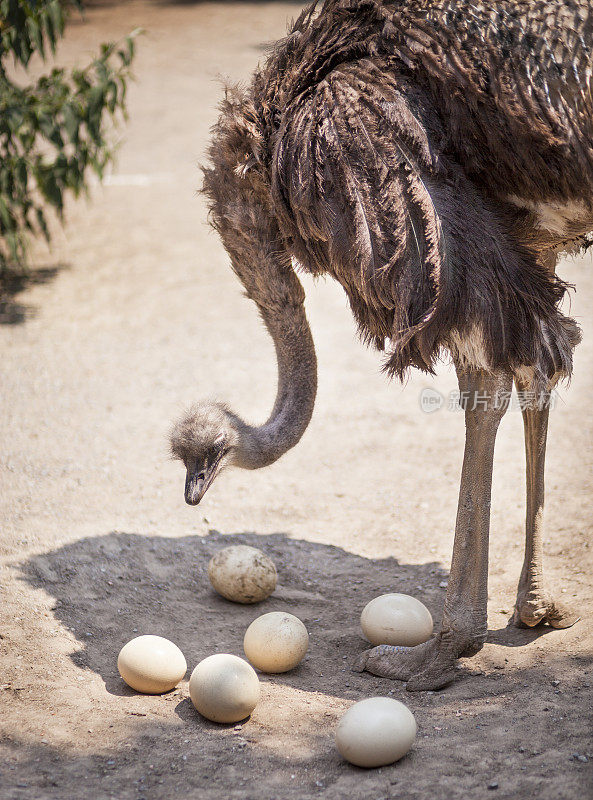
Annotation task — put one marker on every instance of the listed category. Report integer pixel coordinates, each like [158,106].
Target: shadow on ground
[13,283]
[111,588]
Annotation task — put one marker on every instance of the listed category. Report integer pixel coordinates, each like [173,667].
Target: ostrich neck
[297,387]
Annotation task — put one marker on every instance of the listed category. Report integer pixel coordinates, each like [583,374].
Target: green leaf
[71,122]
[36,35]
[23,175]
[111,96]
[52,191]
[5,215]
[94,109]
[57,17]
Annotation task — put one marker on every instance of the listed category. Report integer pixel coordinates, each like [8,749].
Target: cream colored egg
[242,574]
[375,732]
[276,642]
[396,619]
[224,688]
[151,664]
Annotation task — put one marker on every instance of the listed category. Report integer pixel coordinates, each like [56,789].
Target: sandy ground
[135,315]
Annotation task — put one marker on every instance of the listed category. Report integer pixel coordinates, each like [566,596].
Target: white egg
[396,619]
[242,574]
[276,642]
[224,688]
[375,732]
[151,664]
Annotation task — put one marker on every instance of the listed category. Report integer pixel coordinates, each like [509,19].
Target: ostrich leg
[432,665]
[534,604]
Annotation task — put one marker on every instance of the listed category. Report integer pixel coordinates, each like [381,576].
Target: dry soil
[135,313]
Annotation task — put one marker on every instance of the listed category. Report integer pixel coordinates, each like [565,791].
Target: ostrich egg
[396,619]
[375,732]
[276,642]
[224,688]
[151,664]
[242,574]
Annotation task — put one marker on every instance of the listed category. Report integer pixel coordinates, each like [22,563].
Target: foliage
[54,130]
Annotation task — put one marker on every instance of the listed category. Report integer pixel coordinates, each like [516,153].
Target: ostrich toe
[427,666]
[535,609]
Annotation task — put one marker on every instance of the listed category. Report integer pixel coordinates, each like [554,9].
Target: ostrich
[434,157]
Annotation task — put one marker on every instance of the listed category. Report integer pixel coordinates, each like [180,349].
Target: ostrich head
[205,440]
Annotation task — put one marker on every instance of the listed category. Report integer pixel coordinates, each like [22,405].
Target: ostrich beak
[196,486]
[197,482]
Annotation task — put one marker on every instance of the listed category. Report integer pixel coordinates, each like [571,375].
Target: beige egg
[224,688]
[242,574]
[276,642]
[396,619]
[151,664]
[375,732]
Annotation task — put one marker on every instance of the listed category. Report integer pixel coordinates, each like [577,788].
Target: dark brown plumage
[381,142]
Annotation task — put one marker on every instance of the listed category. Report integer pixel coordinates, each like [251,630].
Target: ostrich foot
[535,608]
[427,666]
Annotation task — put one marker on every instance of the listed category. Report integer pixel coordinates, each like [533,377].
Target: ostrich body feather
[401,147]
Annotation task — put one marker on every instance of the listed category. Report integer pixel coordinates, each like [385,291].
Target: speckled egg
[242,574]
